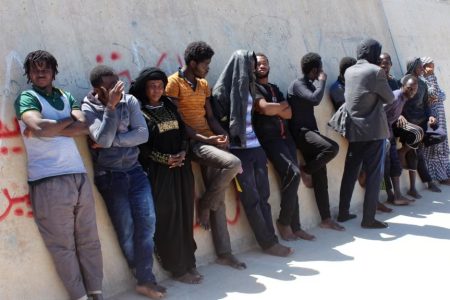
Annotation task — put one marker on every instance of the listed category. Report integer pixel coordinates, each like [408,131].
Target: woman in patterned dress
[169,171]
[436,156]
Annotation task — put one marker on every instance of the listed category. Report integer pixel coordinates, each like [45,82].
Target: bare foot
[414,193]
[279,250]
[231,260]
[383,208]
[203,218]
[330,224]
[286,232]
[403,198]
[400,201]
[189,278]
[149,290]
[304,235]
[195,272]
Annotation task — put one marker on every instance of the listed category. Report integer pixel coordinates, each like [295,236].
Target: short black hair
[387,56]
[198,52]
[310,61]
[407,78]
[262,54]
[39,56]
[345,63]
[97,74]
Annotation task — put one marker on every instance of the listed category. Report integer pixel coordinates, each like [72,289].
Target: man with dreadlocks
[60,191]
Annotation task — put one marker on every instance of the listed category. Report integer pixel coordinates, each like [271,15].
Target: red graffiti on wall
[13,201]
[6,132]
[163,56]
[237,211]
[115,56]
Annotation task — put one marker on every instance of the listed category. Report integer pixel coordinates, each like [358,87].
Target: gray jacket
[366,90]
[118,132]
[230,95]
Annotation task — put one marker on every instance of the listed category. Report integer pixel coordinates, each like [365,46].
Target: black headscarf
[411,65]
[370,50]
[137,87]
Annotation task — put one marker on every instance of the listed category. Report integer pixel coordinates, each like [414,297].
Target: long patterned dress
[437,156]
[173,188]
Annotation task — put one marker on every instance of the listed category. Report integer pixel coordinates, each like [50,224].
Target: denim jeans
[128,198]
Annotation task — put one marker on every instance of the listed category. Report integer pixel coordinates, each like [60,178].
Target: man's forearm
[75,129]
[50,128]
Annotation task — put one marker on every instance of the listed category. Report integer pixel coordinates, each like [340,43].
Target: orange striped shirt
[191,103]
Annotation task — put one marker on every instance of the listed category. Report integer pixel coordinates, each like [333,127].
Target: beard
[262,76]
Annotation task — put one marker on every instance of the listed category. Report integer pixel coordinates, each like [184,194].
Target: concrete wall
[129,35]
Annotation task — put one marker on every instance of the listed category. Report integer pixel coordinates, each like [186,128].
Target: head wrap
[426,60]
[137,87]
[411,65]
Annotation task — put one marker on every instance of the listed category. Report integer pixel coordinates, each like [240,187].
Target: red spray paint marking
[125,73]
[17,150]
[99,59]
[161,59]
[115,55]
[180,61]
[14,201]
[18,212]
[237,212]
[5,132]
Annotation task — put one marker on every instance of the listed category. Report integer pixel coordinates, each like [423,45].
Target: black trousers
[317,151]
[283,155]
[255,194]
[371,155]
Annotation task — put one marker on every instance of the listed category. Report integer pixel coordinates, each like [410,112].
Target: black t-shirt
[269,127]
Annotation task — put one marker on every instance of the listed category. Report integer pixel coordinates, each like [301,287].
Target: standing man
[116,128]
[60,191]
[366,90]
[316,148]
[190,91]
[234,98]
[270,121]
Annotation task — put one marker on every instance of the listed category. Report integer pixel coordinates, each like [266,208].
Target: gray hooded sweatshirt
[230,95]
[118,132]
[366,90]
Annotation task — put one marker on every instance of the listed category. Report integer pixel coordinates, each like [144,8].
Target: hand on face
[114,95]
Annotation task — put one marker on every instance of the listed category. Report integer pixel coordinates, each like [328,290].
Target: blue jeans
[128,198]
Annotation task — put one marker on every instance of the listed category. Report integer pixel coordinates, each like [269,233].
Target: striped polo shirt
[191,103]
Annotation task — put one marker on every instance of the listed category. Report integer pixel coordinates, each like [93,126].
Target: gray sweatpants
[64,212]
